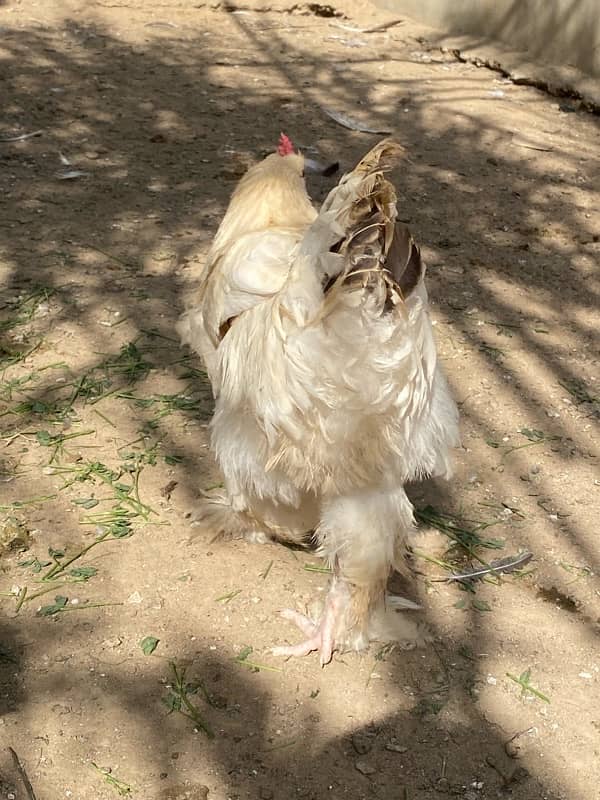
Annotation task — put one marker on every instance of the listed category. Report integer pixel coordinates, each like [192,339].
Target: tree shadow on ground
[163,128]
[433,739]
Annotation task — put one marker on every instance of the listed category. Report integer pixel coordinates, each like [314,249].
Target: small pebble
[116,641]
[361,743]
[512,749]
[396,748]
[365,768]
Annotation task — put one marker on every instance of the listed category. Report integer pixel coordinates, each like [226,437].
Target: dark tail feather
[403,260]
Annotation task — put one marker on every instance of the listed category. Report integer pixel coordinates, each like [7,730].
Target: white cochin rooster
[329,396]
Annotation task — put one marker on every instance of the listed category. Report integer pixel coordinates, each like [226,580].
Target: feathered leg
[360,535]
[253,503]
[256,520]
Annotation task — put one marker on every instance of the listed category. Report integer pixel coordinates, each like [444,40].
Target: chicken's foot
[321,635]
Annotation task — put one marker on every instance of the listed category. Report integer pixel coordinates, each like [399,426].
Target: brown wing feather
[375,245]
[403,260]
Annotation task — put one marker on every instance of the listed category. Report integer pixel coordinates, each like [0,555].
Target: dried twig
[376,29]
[23,775]
[21,137]
[532,146]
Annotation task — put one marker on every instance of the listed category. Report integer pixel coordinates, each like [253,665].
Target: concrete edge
[558,80]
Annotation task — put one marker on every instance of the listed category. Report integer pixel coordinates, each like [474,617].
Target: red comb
[285,146]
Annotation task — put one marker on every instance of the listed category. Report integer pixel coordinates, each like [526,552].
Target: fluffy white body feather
[329,396]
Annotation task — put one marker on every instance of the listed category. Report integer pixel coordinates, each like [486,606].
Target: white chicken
[329,396]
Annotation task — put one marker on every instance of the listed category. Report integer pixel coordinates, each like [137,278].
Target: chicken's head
[286,160]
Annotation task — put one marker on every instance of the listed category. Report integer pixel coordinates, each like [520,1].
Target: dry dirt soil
[145,115]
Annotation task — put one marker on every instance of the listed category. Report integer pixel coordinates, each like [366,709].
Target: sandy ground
[162,106]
